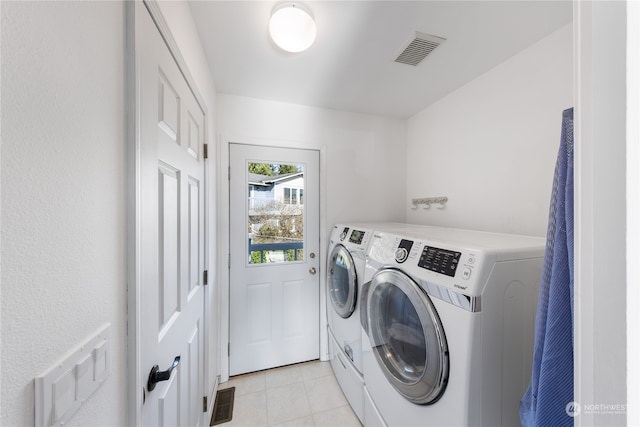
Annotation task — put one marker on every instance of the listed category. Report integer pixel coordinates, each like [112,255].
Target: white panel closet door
[171,235]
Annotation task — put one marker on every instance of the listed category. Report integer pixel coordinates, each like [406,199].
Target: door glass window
[407,337]
[342,281]
[402,335]
[276,214]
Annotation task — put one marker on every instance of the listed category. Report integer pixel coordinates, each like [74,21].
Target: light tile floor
[306,394]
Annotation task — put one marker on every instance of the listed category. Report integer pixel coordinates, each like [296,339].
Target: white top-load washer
[448,321]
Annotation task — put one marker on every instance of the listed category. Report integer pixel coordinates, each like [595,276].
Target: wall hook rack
[428,201]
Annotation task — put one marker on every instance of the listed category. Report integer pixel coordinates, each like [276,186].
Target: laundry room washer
[448,320]
[348,245]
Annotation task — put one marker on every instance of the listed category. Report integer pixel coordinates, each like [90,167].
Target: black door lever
[156,375]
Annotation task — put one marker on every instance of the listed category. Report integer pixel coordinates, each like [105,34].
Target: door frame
[135,383]
[224,236]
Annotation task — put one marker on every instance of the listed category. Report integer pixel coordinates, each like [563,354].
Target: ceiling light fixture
[292,27]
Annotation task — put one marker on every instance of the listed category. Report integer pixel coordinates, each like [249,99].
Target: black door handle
[156,375]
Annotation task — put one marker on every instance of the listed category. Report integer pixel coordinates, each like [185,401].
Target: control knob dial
[401,255]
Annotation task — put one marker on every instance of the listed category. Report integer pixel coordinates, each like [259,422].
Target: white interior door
[274,259]
[171,232]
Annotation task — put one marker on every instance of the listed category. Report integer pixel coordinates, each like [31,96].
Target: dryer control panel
[441,261]
[430,262]
[352,238]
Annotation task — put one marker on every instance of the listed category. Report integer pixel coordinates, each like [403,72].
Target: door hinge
[229,349]
[205,403]
[205,277]
[205,151]
[229,261]
[229,173]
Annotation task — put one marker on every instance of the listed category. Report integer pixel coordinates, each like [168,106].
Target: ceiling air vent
[418,47]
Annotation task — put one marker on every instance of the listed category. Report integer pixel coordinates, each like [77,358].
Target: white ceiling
[351,65]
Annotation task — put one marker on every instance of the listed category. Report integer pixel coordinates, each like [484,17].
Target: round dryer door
[407,337]
[341,281]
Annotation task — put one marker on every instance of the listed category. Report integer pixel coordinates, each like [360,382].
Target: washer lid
[342,284]
[407,337]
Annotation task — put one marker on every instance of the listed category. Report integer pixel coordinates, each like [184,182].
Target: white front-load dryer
[448,326]
[348,245]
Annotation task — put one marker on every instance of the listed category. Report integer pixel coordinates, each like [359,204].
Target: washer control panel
[352,238]
[356,236]
[441,261]
[344,233]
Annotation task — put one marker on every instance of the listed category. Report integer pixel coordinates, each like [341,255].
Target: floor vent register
[223,406]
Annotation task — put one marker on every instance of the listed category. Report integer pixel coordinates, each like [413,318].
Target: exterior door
[170,220]
[274,259]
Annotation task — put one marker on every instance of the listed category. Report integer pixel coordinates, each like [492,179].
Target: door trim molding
[133,11]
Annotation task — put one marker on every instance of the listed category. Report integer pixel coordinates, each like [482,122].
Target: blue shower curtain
[549,399]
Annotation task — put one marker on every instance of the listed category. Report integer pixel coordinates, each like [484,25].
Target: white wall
[365,155]
[63,197]
[600,195]
[608,173]
[491,146]
[362,164]
[64,189]
[633,210]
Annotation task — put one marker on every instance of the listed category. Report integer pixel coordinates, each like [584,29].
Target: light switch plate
[62,389]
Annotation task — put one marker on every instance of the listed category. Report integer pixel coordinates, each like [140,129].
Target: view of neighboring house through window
[276,213]
[293,196]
